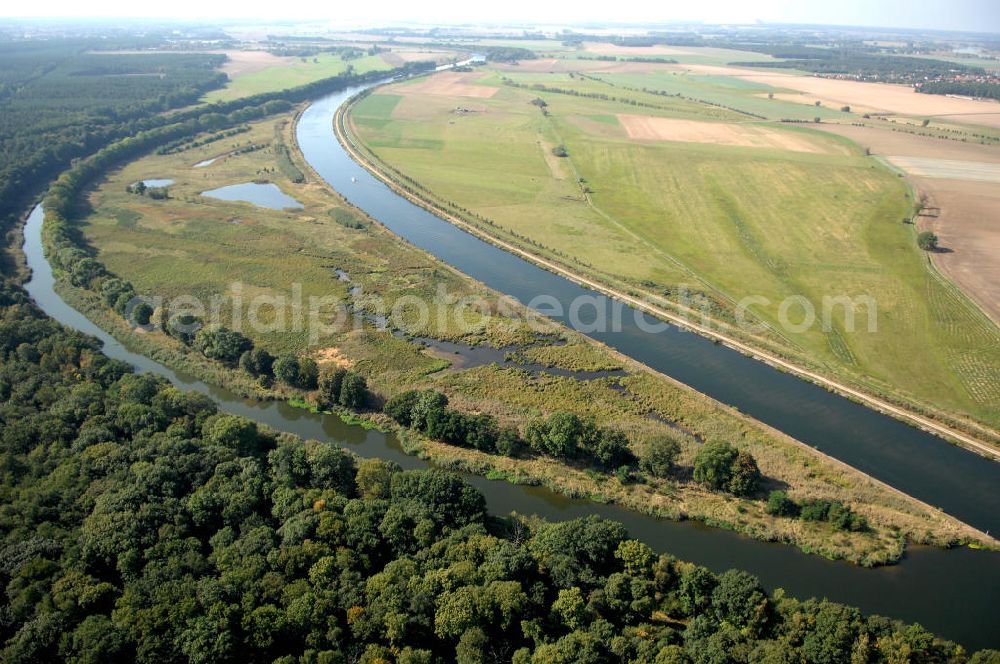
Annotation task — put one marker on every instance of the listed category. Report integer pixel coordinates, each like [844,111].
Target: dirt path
[875,403]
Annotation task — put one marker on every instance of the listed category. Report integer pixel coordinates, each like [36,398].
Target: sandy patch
[876,96]
[332,355]
[964,213]
[650,128]
[450,84]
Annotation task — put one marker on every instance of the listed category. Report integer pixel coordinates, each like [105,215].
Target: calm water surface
[264,195]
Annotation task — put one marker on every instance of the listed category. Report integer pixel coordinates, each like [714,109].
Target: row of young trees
[841,516]
[141,524]
[568,437]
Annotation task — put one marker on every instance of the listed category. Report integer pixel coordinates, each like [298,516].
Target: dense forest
[139,523]
[60,101]
[963,88]
[856,63]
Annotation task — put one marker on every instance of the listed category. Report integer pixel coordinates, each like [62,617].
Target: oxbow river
[956,593]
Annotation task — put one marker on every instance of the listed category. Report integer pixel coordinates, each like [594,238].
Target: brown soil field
[964,214]
[976,171]
[603,48]
[650,128]
[450,84]
[247,62]
[877,96]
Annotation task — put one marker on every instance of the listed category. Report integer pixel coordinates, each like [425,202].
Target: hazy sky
[975,15]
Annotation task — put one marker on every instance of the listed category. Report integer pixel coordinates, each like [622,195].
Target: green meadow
[299,72]
[726,221]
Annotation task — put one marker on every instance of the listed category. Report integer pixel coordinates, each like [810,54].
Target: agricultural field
[254,72]
[865,96]
[959,182]
[189,244]
[659,191]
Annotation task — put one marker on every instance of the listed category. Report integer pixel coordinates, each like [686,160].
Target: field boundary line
[943,431]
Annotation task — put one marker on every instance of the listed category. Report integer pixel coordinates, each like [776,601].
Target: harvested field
[810,100]
[881,96]
[966,218]
[963,201]
[951,169]
[248,62]
[650,128]
[885,141]
[450,84]
[602,48]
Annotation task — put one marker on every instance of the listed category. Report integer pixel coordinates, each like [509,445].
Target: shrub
[286,369]
[308,373]
[745,475]
[219,343]
[815,510]
[659,457]
[142,313]
[330,383]
[400,407]
[509,442]
[353,391]
[183,327]
[927,241]
[779,504]
[257,362]
[713,465]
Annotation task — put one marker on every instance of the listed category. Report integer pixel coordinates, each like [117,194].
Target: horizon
[971,16]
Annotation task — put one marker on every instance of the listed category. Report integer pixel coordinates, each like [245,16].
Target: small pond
[206,162]
[265,195]
[161,182]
